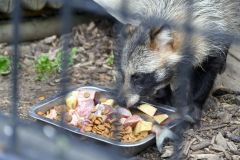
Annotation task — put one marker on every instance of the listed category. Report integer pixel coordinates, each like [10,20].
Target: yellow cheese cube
[160,118]
[102,100]
[71,100]
[109,102]
[148,109]
[142,126]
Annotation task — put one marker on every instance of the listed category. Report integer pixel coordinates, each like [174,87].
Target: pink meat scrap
[124,112]
[85,104]
[133,120]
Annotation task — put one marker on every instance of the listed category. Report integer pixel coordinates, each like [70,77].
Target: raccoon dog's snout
[132,100]
[121,100]
[126,99]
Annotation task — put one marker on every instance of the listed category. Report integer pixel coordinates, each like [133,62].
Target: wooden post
[34,5]
[6,6]
[56,4]
[230,79]
[37,28]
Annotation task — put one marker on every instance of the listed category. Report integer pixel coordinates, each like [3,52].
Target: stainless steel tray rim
[92,135]
[76,130]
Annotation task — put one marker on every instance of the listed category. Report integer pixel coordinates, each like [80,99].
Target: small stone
[200,145]
[227,155]
[52,84]
[226,117]
[235,157]
[199,138]
[217,148]
[213,139]
[187,146]
[57,80]
[232,146]
[220,140]
[238,100]
[220,114]
[91,26]
[49,40]
[41,98]
[206,156]
[168,152]
[27,62]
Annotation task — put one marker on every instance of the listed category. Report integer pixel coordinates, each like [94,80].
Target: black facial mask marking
[143,83]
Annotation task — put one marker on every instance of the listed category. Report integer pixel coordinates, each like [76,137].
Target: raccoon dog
[175,45]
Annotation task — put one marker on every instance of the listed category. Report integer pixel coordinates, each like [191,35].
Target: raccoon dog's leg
[193,86]
[204,77]
[203,80]
[198,83]
[181,89]
[182,100]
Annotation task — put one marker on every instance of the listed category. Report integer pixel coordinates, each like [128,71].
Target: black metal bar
[15,61]
[66,28]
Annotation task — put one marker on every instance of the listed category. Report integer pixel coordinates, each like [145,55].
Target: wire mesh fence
[20,140]
[28,141]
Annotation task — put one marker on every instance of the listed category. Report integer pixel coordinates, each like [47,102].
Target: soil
[219,132]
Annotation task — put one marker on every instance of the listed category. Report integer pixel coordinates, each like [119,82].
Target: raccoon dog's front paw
[162,133]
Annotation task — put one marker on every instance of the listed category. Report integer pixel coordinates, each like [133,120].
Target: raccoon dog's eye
[143,80]
[138,79]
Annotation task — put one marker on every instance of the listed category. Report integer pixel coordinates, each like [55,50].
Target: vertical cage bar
[14,76]
[66,19]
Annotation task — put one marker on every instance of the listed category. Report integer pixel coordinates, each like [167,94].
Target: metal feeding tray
[127,148]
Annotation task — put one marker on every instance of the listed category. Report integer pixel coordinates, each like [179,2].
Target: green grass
[5,65]
[45,67]
[110,59]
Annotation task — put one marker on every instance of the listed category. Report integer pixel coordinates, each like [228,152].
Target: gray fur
[211,21]
[214,16]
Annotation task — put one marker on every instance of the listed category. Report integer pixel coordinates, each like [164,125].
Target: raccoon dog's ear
[125,11]
[163,39]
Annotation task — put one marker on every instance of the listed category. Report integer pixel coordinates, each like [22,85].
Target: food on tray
[67,118]
[160,118]
[91,111]
[52,114]
[124,112]
[132,121]
[71,100]
[109,102]
[148,109]
[143,126]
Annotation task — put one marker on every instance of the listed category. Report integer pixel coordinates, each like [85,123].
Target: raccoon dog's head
[147,59]
[148,52]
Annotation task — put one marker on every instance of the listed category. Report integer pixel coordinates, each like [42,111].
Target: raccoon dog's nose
[121,101]
[132,100]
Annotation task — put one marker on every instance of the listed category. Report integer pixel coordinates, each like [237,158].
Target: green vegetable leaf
[5,65]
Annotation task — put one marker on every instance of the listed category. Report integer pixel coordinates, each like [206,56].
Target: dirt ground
[217,138]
